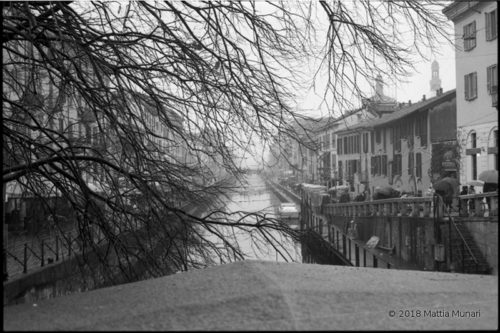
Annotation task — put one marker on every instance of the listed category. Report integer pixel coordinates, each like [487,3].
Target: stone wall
[485,234]
[411,237]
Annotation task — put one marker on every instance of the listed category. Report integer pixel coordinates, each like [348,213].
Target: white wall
[477,115]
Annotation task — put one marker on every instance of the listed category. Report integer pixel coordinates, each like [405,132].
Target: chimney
[409,102]
[439,92]
[423,97]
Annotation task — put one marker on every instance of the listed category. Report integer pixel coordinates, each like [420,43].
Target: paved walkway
[256,295]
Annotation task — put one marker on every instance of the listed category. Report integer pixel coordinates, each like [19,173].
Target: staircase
[466,255]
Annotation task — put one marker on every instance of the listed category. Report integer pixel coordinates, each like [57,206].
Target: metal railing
[441,206]
[27,257]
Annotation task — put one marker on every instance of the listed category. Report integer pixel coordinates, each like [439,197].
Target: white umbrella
[338,188]
[475,182]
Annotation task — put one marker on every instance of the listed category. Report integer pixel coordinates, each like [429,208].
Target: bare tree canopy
[127,109]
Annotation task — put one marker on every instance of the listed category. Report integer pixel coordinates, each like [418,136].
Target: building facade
[476,59]
[396,150]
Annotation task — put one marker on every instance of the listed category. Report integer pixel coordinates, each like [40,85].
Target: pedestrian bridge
[257,295]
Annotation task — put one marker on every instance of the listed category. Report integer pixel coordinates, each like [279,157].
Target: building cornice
[457,9]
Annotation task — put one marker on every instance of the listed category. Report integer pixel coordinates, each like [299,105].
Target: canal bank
[63,277]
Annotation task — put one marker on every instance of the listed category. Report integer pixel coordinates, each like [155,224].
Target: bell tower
[435,80]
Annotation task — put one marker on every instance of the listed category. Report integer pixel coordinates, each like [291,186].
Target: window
[61,125]
[397,137]
[491,25]
[492,79]
[341,175]
[470,36]
[365,143]
[418,171]
[373,142]
[411,165]
[377,136]
[95,135]
[470,86]
[384,165]
[88,134]
[397,165]
[339,148]
[333,141]
[384,139]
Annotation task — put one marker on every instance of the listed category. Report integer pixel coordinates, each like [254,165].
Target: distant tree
[144,100]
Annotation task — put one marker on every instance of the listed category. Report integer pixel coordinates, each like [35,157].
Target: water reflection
[255,198]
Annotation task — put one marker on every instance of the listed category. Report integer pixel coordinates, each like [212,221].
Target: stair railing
[457,230]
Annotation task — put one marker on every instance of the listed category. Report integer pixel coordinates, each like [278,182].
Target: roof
[258,295]
[404,112]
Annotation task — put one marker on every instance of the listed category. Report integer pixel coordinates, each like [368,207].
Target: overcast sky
[411,88]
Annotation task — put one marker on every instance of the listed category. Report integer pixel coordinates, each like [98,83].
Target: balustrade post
[25,261]
[462,204]
[415,209]
[57,248]
[479,206]
[427,209]
[375,262]
[349,244]
[344,249]
[43,243]
[356,254]
[494,206]
[403,208]
[70,244]
[364,257]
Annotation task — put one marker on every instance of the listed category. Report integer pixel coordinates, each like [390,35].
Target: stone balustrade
[414,206]
[480,205]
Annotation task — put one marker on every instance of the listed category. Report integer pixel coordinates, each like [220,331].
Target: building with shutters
[397,149]
[476,59]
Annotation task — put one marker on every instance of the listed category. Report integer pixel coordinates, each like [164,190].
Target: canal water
[256,198]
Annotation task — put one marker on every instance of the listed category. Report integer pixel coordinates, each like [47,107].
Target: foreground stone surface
[256,295]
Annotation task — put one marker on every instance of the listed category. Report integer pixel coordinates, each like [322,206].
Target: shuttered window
[418,171]
[470,89]
[492,79]
[491,25]
[470,36]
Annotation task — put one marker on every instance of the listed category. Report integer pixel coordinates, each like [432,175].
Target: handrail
[458,231]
